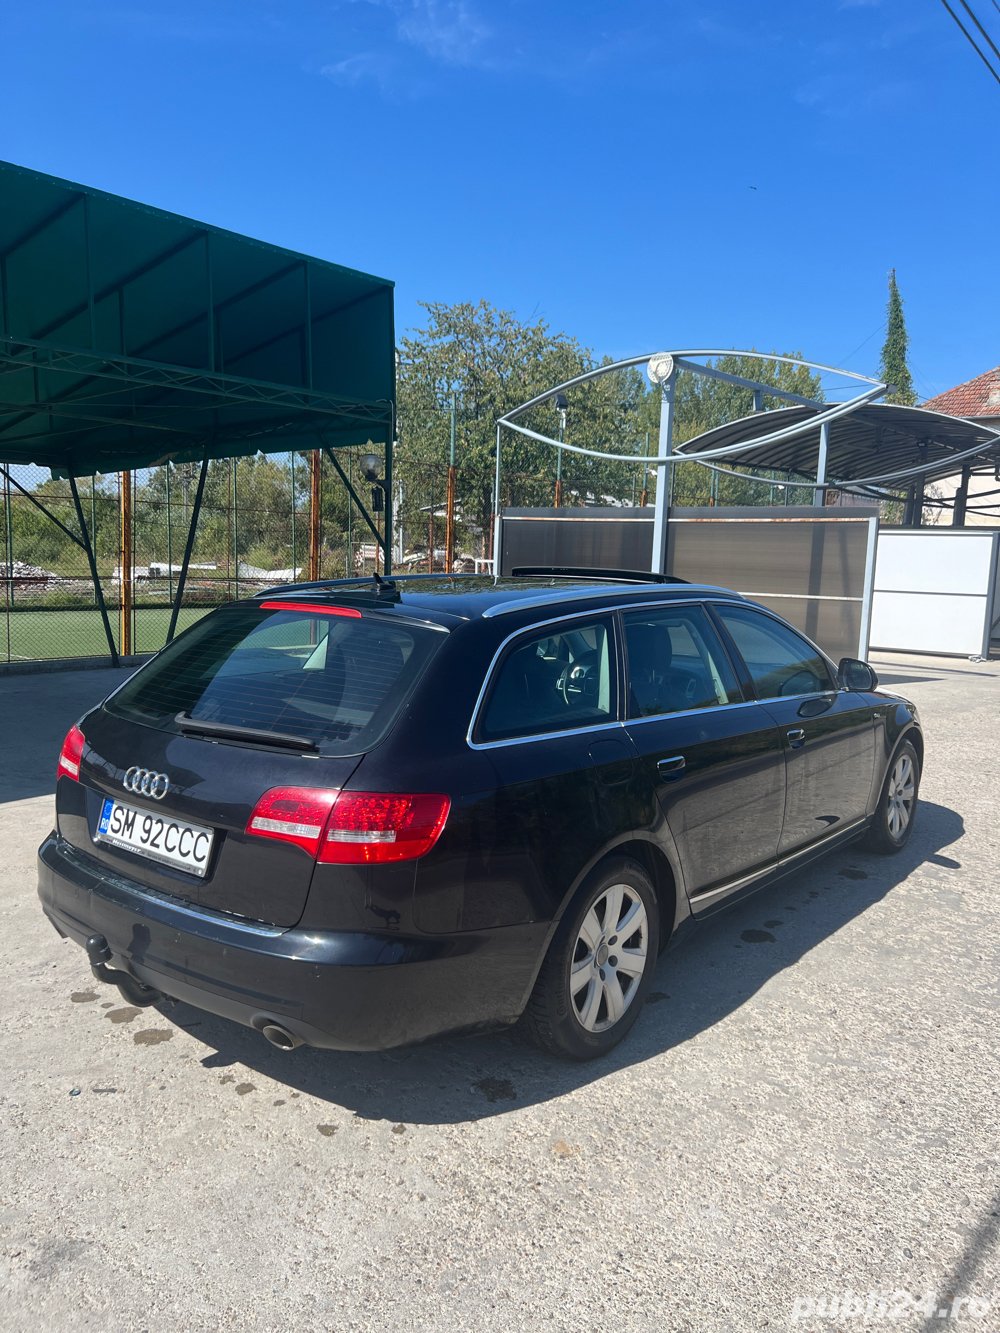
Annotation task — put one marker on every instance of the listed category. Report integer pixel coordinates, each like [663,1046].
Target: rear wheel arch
[660,871]
[589,990]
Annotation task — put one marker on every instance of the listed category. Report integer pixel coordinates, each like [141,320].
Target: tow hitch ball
[99,953]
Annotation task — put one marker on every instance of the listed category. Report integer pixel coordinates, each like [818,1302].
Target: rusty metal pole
[449,511]
[125,567]
[315,463]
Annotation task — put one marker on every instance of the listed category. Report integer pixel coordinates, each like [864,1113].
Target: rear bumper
[340,990]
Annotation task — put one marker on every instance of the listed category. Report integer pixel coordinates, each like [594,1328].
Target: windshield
[332,678]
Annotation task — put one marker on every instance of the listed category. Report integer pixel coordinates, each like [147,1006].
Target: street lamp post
[562,406]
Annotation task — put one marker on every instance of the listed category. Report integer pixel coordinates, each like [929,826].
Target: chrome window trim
[694,712]
[622,720]
[583,616]
[619,720]
[545,736]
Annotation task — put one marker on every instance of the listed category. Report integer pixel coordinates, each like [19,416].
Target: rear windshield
[334,681]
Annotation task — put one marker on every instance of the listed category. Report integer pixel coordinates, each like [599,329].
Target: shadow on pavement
[722,965]
[38,710]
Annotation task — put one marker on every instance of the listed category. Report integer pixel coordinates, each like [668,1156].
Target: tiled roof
[975,398]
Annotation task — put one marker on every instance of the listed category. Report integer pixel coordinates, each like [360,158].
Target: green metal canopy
[130,336]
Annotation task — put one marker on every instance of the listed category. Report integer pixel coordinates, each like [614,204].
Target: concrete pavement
[806,1113]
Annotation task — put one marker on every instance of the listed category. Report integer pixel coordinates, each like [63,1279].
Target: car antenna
[385,588]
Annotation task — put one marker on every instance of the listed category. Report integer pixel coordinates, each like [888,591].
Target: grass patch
[30,636]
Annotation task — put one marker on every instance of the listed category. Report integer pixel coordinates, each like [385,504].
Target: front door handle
[672,767]
[796,736]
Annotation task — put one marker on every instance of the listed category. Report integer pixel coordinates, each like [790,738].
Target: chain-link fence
[256,530]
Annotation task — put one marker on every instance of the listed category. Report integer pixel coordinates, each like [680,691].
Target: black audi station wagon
[358,814]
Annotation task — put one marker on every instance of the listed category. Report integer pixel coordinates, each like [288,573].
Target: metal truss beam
[152,374]
[765,390]
[188,548]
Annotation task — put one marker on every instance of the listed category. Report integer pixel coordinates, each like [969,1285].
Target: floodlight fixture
[660,368]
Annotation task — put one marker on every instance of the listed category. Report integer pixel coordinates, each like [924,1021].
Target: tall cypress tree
[894,370]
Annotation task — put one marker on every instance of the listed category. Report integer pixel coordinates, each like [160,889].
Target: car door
[828,733]
[712,757]
[550,723]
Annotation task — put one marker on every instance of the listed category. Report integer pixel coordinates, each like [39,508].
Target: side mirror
[855,675]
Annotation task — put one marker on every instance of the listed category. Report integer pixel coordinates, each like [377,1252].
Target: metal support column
[913,512]
[8,538]
[496,511]
[234,507]
[315,463]
[390,435]
[188,548]
[88,547]
[661,513]
[961,499]
[125,570]
[295,566]
[819,494]
[167,469]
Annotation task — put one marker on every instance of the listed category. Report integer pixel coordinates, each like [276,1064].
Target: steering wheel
[577,683]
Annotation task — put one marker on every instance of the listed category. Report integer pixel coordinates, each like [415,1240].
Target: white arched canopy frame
[662,368]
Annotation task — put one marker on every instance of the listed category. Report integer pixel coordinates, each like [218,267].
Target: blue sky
[716,173]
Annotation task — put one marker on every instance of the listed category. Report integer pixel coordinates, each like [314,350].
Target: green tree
[491,362]
[36,540]
[893,368]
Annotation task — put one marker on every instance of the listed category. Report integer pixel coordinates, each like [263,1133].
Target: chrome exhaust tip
[280,1037]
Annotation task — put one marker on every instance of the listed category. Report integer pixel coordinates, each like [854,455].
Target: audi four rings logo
[144,782]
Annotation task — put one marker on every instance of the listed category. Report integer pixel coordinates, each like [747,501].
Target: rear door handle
[796,736]
[672,767]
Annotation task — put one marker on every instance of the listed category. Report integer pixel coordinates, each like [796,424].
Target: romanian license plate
[175,843]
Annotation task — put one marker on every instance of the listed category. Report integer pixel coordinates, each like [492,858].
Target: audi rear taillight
[70,755]
[371,827]
[293,814]
[351,828]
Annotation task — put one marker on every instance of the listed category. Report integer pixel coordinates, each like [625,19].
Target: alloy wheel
[609,957]
[902,789]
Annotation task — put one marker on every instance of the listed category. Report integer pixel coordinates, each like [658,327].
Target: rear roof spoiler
[373,590]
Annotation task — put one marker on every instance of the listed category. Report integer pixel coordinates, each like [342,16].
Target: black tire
[579,1023]
[893,820]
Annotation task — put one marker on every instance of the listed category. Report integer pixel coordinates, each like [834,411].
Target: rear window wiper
[193,726]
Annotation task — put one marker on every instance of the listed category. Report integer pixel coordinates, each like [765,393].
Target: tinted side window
[676,662]
[551,682]
[779,661]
